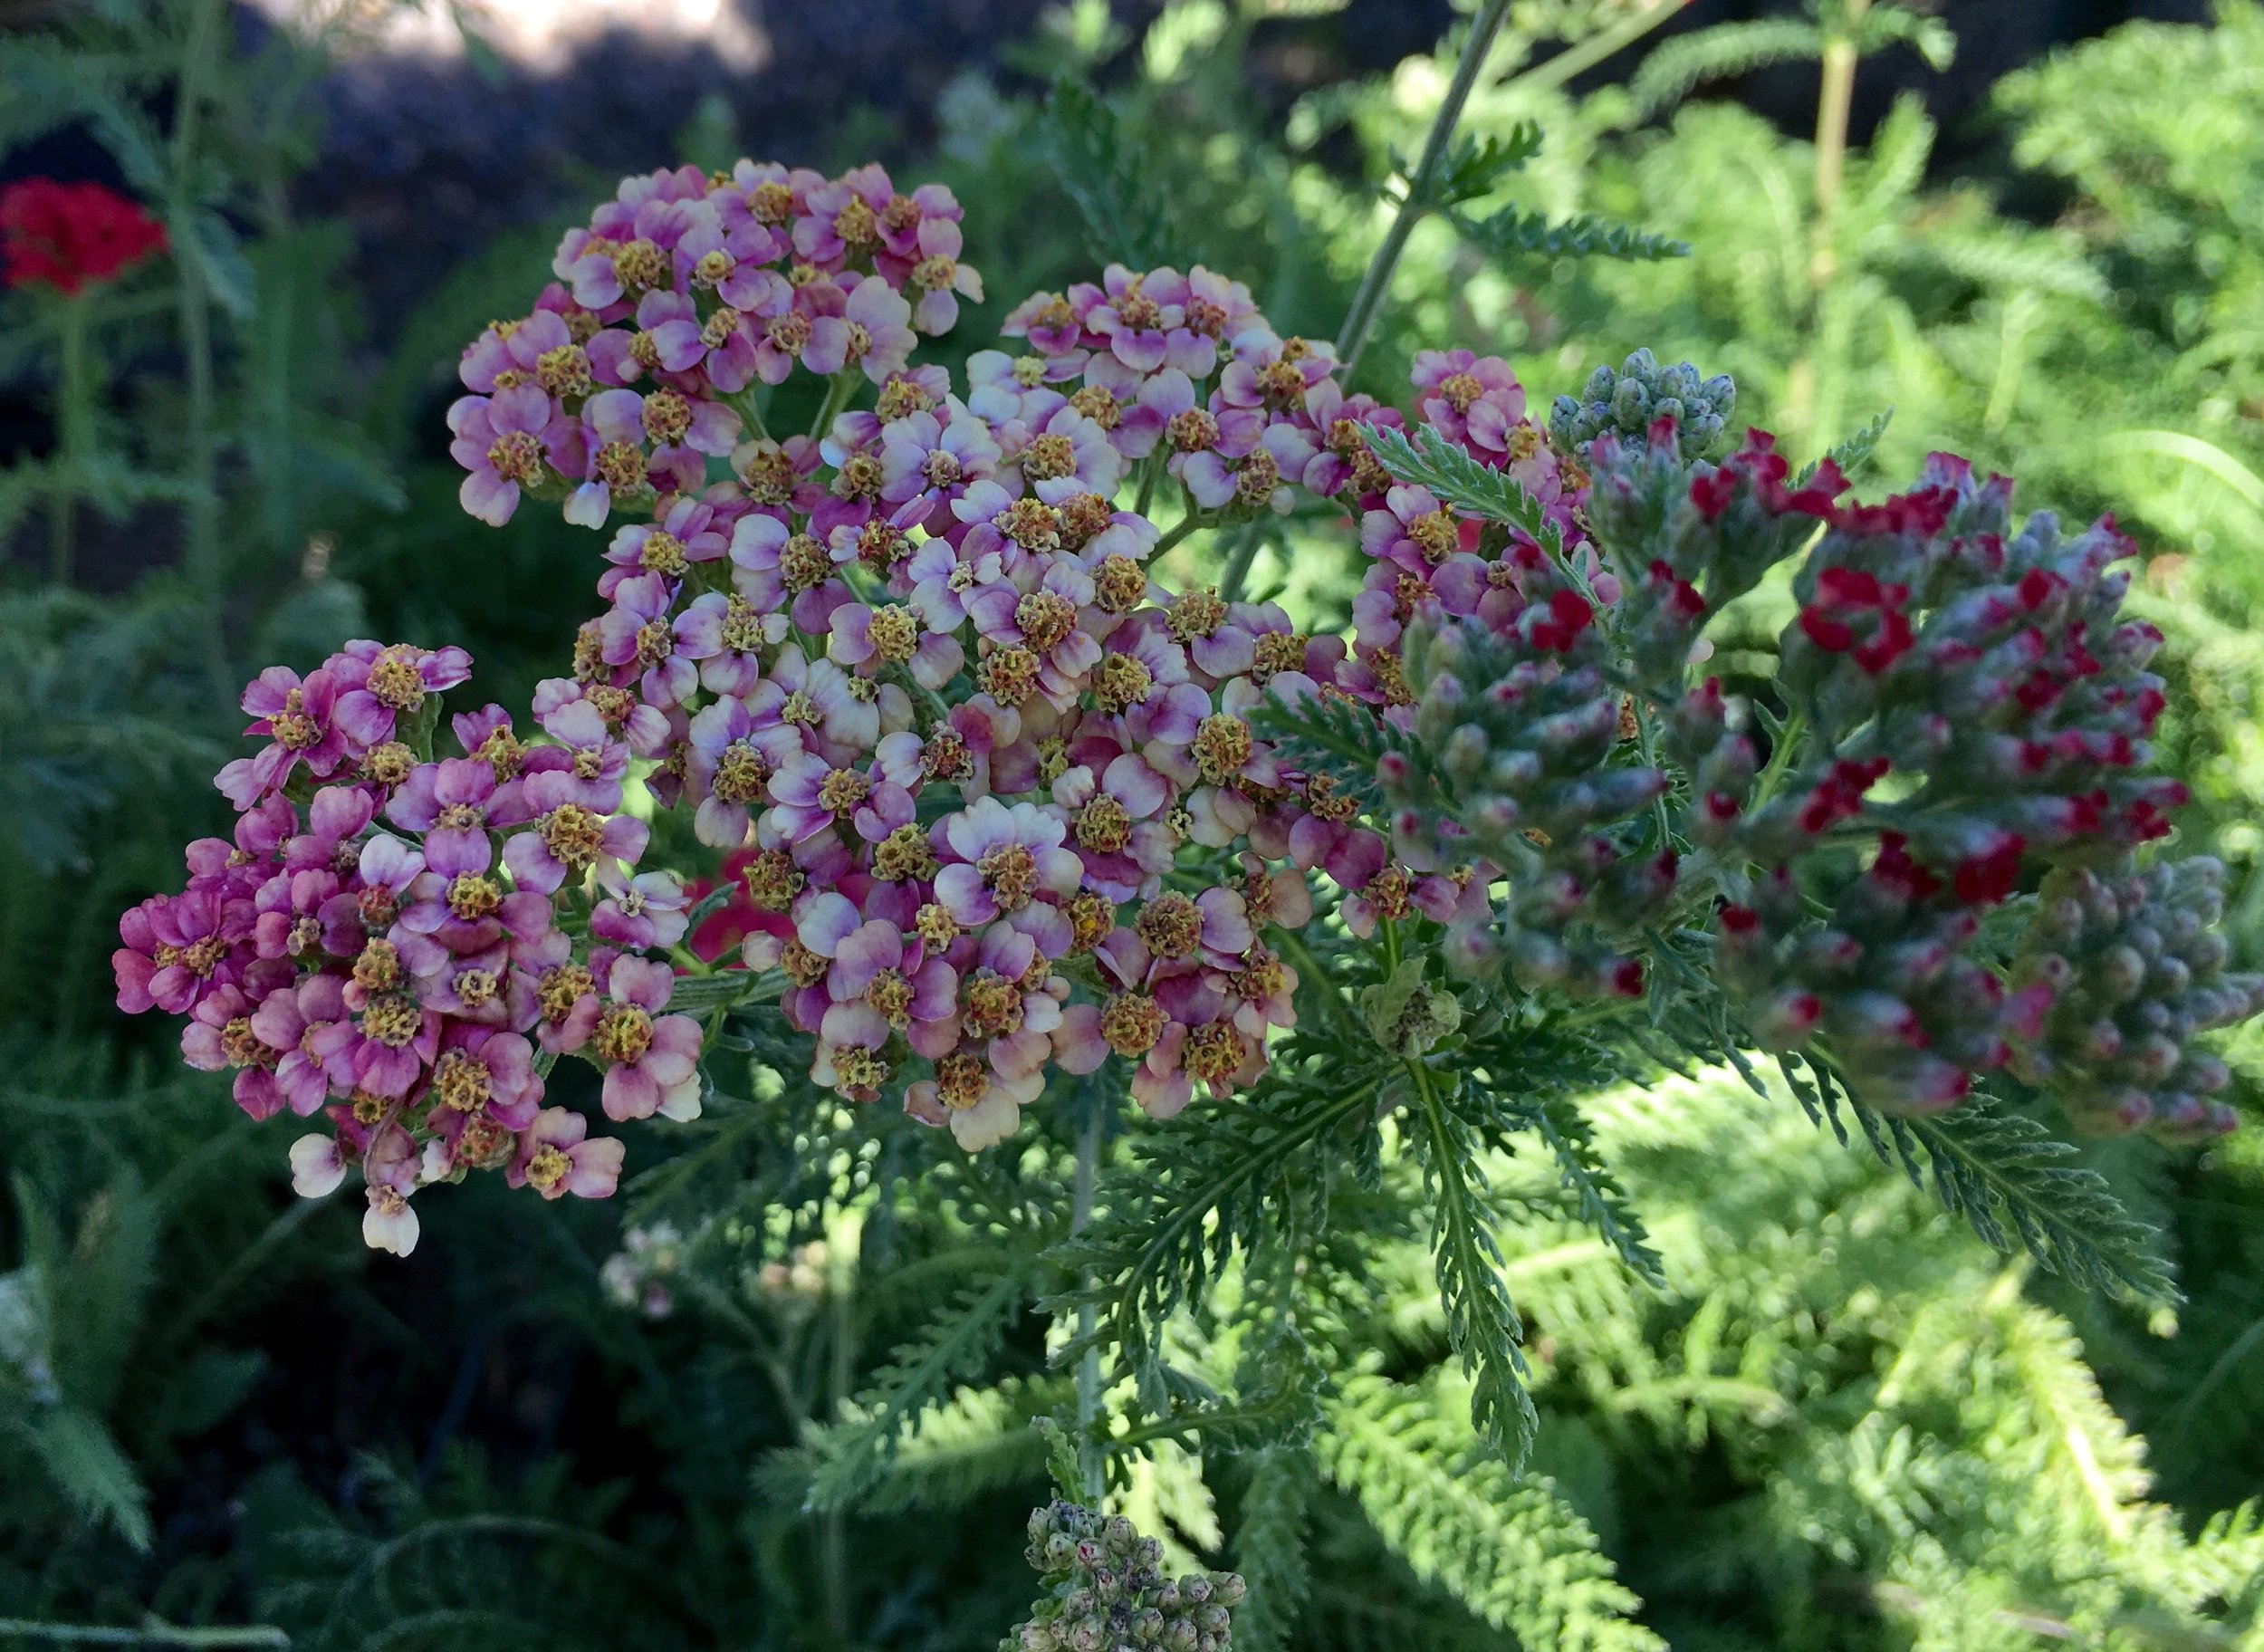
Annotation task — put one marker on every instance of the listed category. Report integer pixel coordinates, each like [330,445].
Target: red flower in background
[69,235]
[719,934]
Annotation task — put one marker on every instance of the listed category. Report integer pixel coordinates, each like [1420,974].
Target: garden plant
[1684,970]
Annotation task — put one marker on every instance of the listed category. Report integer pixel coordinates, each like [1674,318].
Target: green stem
[150,1634]
[75,439]
[1088,1452]
[1834,97]
[1179,530]
[844,1376]
[1780,759]
[202,556]
[837,397]
[1237,575]
[743,403]
[1367,301]
[247,1261]
[1584,55]
[1312,970]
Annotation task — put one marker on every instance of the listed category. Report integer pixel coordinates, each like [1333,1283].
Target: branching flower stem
[1367,301]
[1089,1449]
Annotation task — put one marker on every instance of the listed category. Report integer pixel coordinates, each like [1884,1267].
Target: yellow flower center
[1221,746]
[574,835]
[773,880]
[620,465]
[1099,404]
[1009,675]
[1011,873]
[563,988]
[1196,613]
[462,1082]
[624,1032]
[1193,431]
[1170,926]
[994,1005]
[903,854]
[392,1019]
[1045,619]
[1049,456]
[902,397]
[1119,682]
[896,633]
[804,563]
[1131,1023]
[379,968]
[1104,825]
[857,225]
[842,791]
[1459,390]
[472,897]
[547,1167]
[395,681]
[564,370]
[960,1081]
[740,773]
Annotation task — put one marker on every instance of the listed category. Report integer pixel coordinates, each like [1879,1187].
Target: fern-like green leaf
[977,1442]
[1511,234]
[1449,471]
[1854,454]
[1476,166]
[1481,1323]
[1225,1175]
[2009,1178]
[854,1453]
[1603,1203]
[1676,65]
[1891,26]
[1104,170]
[1336,737]
[1279,1414]
[1509,1549]
[95,1477]
[1270,1547]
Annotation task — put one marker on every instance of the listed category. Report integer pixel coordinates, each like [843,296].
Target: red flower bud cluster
[1967,704]
[2134,969]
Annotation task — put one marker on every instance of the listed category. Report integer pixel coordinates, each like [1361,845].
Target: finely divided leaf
[1510,233]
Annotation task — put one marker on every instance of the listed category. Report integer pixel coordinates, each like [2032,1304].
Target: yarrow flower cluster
[384,942]
[999,802]
[684,291]
[71,237]
[1106,1590]
[996,802]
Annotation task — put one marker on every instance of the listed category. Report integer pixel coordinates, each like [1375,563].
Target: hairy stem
[204,556]
[837,397]
[74,440]
[1583,55]
[842,1385]
[743,403]
[1832,99]
[1237,575]
[150,1634]
[1178,531]
[1367,301]
[1088,1459]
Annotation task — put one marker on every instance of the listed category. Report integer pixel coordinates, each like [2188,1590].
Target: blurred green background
[2035,233]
